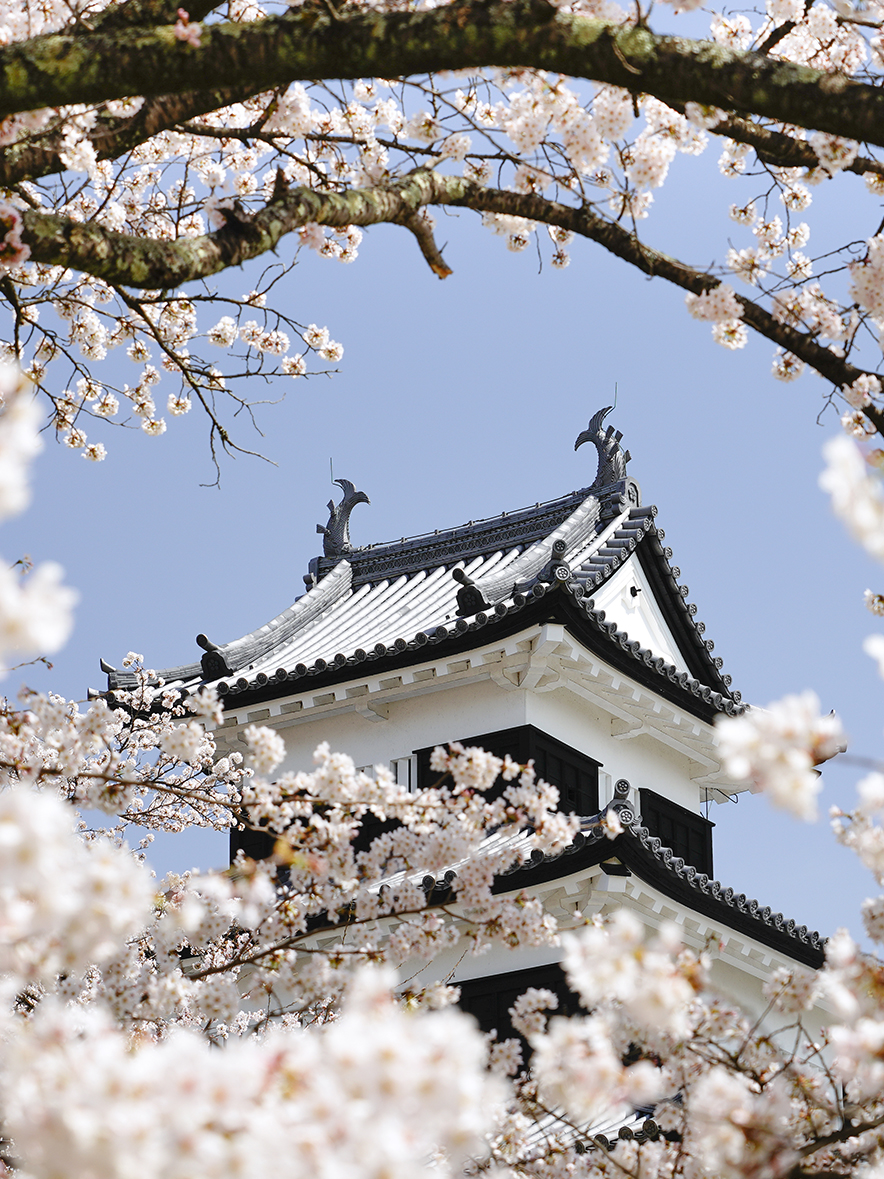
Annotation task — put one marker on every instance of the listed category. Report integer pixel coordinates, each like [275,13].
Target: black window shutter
[488,1000]
[575,774]
[688,834]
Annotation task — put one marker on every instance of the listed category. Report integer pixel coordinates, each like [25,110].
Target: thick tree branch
[124,260]
[150,264]
[307,43]
[846,1133]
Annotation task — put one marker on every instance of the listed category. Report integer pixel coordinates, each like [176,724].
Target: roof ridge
[447,546]
[594,831]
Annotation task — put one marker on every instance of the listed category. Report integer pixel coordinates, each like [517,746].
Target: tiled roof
[646,856]
[632,1125]
[390,601]
[649,858]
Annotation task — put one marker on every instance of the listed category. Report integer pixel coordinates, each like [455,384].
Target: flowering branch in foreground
[308,43]
[148,149]
[778,748]
[151,264]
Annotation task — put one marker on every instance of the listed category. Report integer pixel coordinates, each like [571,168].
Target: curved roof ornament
[612,460]
[214,663]
[336,533]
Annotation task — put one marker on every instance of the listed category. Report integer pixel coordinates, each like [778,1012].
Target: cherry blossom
[218,1022]
[524,147]
[778,747]
[857,497]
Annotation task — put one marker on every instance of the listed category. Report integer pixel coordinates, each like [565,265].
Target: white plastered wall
[642,760]
[638,613]
[464,710]
[411,723]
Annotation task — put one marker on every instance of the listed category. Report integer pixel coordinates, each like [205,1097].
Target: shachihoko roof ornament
[336,533]
[612,460]
[609,494]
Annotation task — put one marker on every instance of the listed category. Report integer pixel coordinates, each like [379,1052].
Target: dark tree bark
[61,69]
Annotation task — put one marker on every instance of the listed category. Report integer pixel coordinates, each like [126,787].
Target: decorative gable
[628,601]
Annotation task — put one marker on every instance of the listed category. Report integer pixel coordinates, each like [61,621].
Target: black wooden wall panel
[688,834]
[575,774]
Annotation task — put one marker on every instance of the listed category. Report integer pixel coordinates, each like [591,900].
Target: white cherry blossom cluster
[795,300]
[579,1070]
[441,831]
[526,1013]
[857,496]
[527,131]
[266,748]
[859,831]
[776,749]
[614,964]
[372,1094]
[137,760]
[720,307]
[418,1081]
[863,391]
[867,285]
[730,1100]
[715,305]
[36,610]
[793,989]
[66,904]
[189,1015]
[736,1125]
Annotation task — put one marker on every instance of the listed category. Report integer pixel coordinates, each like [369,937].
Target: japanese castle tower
[559,632]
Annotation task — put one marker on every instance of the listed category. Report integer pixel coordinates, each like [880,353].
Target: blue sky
[461,399]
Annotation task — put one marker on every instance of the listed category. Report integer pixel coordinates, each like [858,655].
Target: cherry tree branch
[111,136]
[423,235]
[847,1132]
[781,150]
[312,42]
[130,261]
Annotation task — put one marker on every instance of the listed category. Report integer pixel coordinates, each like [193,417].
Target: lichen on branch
[60,69]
